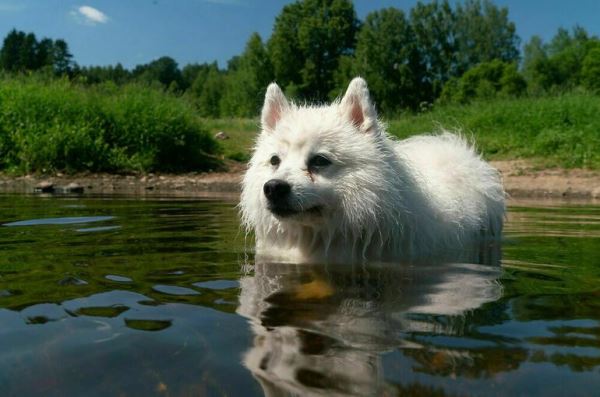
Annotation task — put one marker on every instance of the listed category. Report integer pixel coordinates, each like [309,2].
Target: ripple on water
[97,229]
[174,290]
[60,221]
[217,284]
[118,279]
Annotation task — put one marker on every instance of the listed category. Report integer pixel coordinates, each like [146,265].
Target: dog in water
[328,184]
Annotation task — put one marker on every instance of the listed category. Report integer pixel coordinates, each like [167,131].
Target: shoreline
[520,178]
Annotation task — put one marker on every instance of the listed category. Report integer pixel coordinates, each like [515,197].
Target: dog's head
[316,165]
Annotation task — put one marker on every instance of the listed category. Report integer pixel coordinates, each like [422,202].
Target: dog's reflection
[320,330]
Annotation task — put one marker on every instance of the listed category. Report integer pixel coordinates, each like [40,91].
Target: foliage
[483,32]
[246,83]
[433,26]
[208,88]
[316,48]
[558,65]
[163,70]
[485,81]
[61,126]
[392,67]
[22,52]
[590,70]
[308,39]
[441,52]
[554,130]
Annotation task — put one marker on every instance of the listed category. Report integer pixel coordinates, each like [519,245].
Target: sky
[132,32]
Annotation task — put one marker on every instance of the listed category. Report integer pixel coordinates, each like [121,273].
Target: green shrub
[484,81]
[58,125]
[590,70]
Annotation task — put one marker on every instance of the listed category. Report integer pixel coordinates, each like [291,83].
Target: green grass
[554,131]
[241,132]
[60,126]
[559,131]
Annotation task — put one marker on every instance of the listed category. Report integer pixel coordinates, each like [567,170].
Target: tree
[387,56]
[22,52]
[45,53]
[485,81]
[247,79]
[434,26]
[558,65]
[163,70]
[10,55]
[483,33]
[63,59]
[27,52]
[308,39]
[590,70]
[207,89]
[533,54]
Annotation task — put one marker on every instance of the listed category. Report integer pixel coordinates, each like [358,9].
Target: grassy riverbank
[60,126]
[560,131]
[48,126]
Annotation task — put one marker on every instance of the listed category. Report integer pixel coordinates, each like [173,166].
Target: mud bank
[521,180]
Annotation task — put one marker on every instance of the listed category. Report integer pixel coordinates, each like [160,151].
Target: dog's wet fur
[328,184]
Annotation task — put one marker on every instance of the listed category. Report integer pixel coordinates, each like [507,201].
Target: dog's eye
[318,161]
[275,160]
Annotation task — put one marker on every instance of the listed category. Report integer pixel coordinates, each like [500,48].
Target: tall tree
[207,89]
[558,65]
[10,55]
[63,59]
[27,52]
[163,70]
[308,39]
[45,53]
[434,26]
[247,79]
[387,56]
[484,33]
[590,70]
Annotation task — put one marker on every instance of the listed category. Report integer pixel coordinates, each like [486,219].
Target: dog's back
[465,191]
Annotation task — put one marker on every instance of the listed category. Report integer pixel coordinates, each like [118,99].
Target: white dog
[327,183]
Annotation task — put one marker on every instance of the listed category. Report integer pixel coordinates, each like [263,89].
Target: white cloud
[89,15]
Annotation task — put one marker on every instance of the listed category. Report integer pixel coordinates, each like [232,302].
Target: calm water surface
[128,297]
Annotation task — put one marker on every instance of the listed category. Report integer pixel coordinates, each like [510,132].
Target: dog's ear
[357,106]
[275,105]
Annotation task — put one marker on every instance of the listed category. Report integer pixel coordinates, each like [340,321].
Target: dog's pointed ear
[273,108]
[357,106]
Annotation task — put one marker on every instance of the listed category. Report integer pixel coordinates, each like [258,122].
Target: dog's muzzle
[278,193]
[277,190]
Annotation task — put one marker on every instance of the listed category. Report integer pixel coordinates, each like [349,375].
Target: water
[117,296]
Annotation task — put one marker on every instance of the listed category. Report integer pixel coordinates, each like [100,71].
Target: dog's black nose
[276,189]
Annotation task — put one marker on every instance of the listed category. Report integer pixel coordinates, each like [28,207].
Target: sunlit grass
[554,131]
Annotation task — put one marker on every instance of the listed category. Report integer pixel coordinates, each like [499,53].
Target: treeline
[435,52]
[23,52]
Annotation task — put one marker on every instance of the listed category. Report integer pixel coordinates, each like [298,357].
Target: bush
[484,81]
[59,125]
[590,71]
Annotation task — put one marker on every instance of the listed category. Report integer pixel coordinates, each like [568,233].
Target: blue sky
[102,32]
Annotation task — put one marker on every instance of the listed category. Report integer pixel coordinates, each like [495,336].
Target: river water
[135,297]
